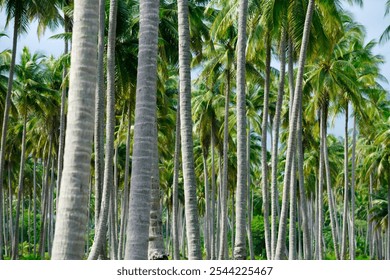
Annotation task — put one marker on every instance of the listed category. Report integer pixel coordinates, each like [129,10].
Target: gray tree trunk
[223,193]
[99,115]
[346,198]
[269,244]
[7,105]
[69,237]
[175,188]
[207,210]
[353,172]
[15,241]
[240,252]
[144,125]
[291,145]
[249,196]
[108,180]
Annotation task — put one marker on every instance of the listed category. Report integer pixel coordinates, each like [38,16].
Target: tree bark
[346,198]
[69,237]
[144,125]
[240,252]
[353,172]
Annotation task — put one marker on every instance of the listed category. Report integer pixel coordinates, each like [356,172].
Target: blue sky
[371,16]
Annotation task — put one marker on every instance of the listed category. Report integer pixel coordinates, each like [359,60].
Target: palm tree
[386,34]
[241,204]
[110,125]
[145,118]
[191,211]
[72,217]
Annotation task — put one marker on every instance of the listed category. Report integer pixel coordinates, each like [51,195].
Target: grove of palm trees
[194,129]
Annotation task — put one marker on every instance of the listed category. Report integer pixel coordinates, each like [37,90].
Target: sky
[372,16]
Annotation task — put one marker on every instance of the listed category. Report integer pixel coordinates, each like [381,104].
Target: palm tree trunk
[108,180]
[175,188]
[293,214]
[7,106]
[275,142]
[207,210]
[191,209]
[270,246]
[249,196]
[213,193]
[291,145]
[145,118]
[156,250]
[61,141]
[35,205]
[240,252]
[223,194]
[346,199]
[69,237]
[370,232]
[99,115]
[125,199]
[15,241]
[353,172]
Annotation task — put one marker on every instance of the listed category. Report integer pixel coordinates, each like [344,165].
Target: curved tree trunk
[144,125]
[291,144]
[72,217]
[108,182]
[240,252]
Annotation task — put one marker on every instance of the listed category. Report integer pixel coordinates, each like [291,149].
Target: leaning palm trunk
[191,209]
[15,241]
[241,200]
[7,105]
[291,145]
[144,125]
[101,228]
[69,237]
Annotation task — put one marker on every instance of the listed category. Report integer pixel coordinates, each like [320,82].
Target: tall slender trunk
[99,115]
[275,142]
[71,225]
[191,209]
[293,213]
[15,241]
[144,125]
[353,172]
[61,142]
[108,180]
[223,195]
[270,246]
[35,205]
[240,252]
[302,194]
[207,210]
[125,199]
[291,144]
[175,188]
[213,193]
[370,233]
[45,201]
[249,200]
[346,198]
[320,199]
[7,105]
[10,207]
